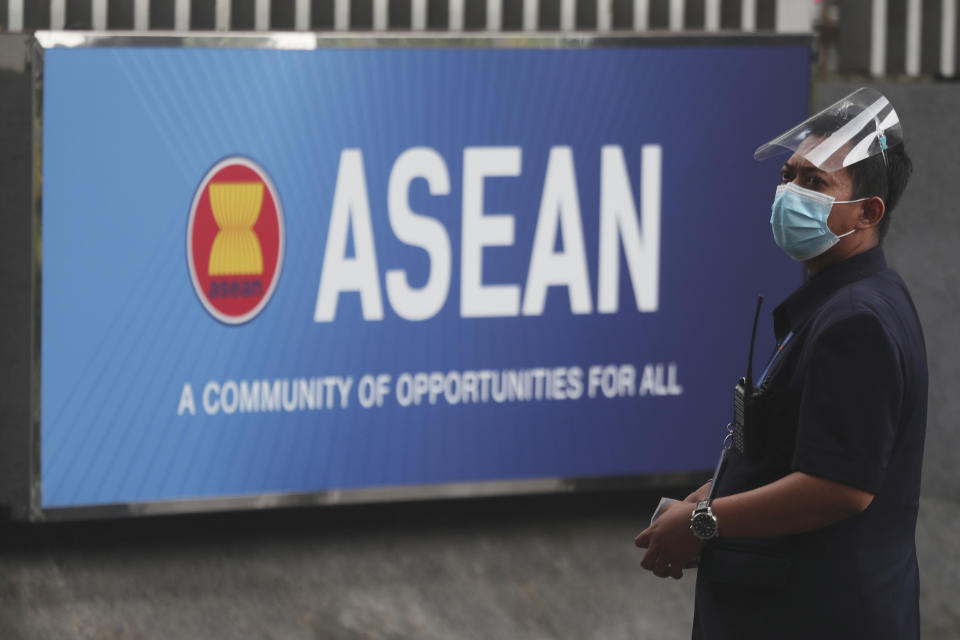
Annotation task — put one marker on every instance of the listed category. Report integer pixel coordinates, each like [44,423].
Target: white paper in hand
[661,507]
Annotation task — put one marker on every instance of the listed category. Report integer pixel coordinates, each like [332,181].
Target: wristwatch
[703,523]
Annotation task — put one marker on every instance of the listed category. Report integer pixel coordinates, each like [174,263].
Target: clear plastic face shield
[855,128]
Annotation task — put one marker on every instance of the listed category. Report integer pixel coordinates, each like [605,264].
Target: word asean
[559,213]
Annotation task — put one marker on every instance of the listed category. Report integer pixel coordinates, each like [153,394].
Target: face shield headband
[857,127]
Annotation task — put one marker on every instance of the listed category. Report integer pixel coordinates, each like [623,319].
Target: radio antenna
[753,338]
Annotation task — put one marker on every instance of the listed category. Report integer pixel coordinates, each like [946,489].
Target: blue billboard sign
[282,271]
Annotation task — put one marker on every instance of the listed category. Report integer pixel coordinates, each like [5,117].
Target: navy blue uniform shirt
[845,399]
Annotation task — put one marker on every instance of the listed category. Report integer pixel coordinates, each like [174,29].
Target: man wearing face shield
[809,531]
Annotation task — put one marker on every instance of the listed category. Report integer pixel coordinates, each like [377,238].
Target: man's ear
[872,212]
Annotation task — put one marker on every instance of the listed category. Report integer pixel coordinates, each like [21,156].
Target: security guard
[812,534]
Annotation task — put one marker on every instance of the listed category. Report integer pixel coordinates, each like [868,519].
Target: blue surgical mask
[799,221]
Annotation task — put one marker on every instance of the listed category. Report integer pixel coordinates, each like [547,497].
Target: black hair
[883,177]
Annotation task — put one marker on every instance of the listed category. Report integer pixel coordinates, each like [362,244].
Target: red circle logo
[235,240]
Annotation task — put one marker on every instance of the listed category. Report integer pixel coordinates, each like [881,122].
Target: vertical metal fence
[911,38]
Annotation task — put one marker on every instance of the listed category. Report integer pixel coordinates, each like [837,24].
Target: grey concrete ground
[547,567]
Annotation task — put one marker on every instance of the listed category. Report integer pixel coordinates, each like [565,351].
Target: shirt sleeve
[850,405]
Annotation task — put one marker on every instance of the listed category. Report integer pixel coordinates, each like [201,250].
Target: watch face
[704,526]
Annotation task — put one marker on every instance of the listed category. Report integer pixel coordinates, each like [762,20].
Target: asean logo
[235,240]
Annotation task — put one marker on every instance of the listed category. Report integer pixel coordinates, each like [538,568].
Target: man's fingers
[649,558]
[661,568]
[643,539]
[676,571]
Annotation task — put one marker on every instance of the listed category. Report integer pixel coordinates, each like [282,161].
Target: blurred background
[559,565]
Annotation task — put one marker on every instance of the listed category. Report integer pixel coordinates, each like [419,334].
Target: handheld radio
[746,427]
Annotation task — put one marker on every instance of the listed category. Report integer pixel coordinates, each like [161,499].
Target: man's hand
[669,542]
[700,494]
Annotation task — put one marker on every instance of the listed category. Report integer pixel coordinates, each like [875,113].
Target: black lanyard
[724,450]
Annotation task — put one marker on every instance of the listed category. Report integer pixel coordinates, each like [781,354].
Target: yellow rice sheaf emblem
[236,249]
[235,240]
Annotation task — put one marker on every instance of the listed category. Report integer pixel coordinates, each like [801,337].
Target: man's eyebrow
[803,169]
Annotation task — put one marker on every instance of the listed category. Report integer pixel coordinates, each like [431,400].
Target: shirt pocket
[777,409]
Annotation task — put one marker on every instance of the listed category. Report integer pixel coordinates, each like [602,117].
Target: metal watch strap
[703,508]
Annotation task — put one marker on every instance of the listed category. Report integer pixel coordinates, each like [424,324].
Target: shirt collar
[801,304]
